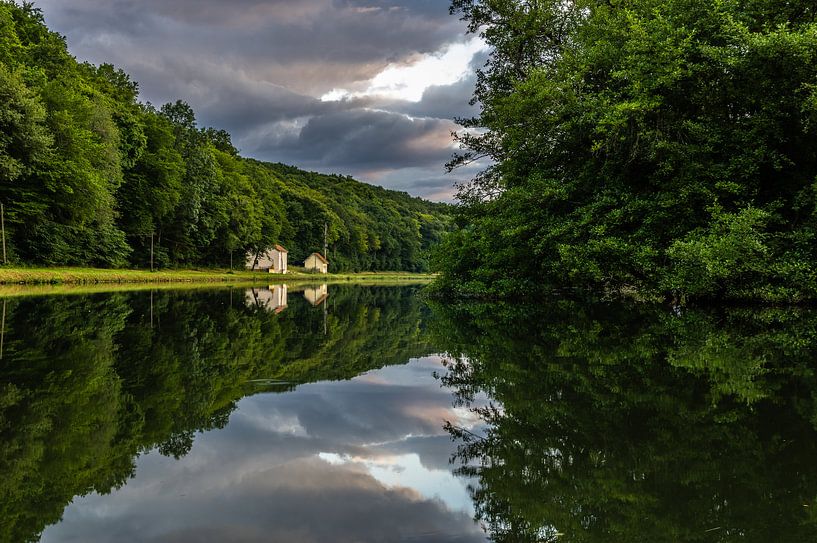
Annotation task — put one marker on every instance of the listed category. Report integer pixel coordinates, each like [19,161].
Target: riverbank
[92,276]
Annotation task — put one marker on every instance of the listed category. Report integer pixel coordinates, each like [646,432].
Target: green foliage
[369,228]
[613,422]
[90,176]
[732,250]
[627,138]
[23,137]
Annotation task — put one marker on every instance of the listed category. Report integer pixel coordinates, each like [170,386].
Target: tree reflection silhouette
[622,423]
[88,383]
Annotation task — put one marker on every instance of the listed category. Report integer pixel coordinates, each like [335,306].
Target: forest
[89,175]
[666,148]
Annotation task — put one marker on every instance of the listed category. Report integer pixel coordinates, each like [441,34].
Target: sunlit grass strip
[90,276]
[94,275]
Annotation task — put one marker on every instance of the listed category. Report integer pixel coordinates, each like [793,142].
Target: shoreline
[101,276]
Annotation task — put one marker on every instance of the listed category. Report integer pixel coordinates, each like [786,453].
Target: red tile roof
[320,257]
[280,249]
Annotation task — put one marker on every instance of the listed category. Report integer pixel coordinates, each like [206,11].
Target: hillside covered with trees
[89,174]
[667,147]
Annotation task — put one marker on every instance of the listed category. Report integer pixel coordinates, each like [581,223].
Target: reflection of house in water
[272,299]
[316,295]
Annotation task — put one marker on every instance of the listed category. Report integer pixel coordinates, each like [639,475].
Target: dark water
[329,415]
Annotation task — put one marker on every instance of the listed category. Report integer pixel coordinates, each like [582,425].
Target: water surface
[363,414]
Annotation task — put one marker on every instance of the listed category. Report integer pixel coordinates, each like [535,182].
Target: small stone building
[316,263]
[273,260]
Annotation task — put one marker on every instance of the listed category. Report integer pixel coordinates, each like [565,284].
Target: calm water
[361,414]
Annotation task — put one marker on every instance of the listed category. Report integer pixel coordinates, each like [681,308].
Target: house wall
[273,260]
[313,263]
[282,259]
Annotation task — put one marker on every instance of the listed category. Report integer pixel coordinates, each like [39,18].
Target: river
[345,414]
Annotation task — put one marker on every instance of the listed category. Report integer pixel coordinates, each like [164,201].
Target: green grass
[90,276]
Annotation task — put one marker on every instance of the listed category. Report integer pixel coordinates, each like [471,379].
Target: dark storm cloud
[431,183]
[259,67]
[369,138]
[444,102]
[280,31]
[435,8]
[296,502]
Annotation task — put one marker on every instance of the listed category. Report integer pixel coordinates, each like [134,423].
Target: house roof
[320,257]
[280,249]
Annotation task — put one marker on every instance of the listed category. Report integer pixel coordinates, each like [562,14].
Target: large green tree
[24,139]
[664,145]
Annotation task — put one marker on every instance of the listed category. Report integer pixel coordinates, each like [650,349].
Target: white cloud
[409,81]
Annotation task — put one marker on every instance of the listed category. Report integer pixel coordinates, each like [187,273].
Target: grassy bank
[91,276]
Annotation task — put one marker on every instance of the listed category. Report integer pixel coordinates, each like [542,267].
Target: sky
[367,88]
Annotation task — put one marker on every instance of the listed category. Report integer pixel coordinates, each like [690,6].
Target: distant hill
[374,228]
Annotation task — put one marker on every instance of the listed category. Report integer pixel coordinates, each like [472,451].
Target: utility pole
[3,330]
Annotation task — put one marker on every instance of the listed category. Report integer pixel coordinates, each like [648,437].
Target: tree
[152,189]
[24,138]
[624,134]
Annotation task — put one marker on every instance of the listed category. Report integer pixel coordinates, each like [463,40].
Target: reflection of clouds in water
[459,416]
[407,471]
[272,421]
[359,460]
[304,500]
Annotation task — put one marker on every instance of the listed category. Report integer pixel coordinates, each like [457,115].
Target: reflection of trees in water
[631,424]
[87,383]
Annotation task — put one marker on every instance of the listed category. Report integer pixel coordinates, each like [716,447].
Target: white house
[273,260]
[316,263]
